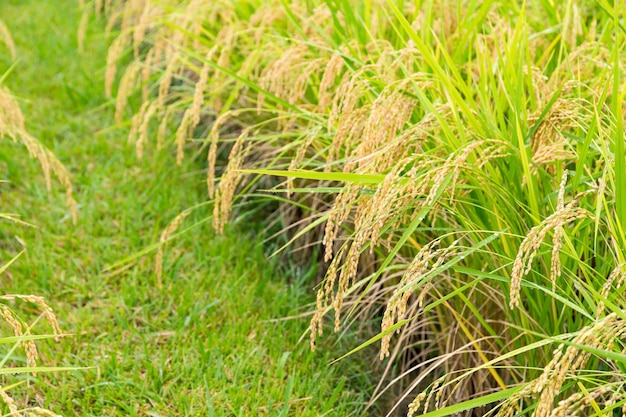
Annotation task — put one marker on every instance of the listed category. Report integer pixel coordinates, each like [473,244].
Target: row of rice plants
[461,162]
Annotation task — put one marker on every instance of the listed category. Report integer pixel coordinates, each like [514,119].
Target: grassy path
[202,345]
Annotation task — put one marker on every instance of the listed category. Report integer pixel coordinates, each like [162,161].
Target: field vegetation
[458,167]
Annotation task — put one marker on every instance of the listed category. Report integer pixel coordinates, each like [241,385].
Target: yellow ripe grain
[263,19]
[98,7]
[530,246]
[166,79]
[137,121]
[557,239]
[19,329]
[323,296]
[165,236]
[428,258]
[163,125]
[82,27]
[146,73]
[347,133]
[113,20]
[108,5]
[38,411]
[226,39]
[300,154]
[130,13]
[616,278]
[339,214]
[181,137]
[43,307]
[230,181]
[10,402]
[12,126]
[212,154]
[548,142]
[11,118]
[334,66]
[391,110]
[288,76]
[139,31]
[351,89]
[143,128]
[191,117]
[599,335]
[125,89]
[115,52]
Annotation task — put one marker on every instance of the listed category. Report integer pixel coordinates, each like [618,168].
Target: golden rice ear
[43,412]
[81,33]
[12,126]
[125,89]
[165,235]
[389,113]
[347,198]
[98,6]
[146,73]
[617,278]
[139,31]
[565,362]
[230,181]
[116,51]
[143,128]
[532,242]
[186,125]
[191,117]
[165,82]
[214,139]
[333,68]
[549,144]
[10,402]
[324,294]
[162,130]
[346,135]
[7,316]
[7,39]
[11,118]
[19,328]
[557,239]
[427,259]
[136,124]
[288,76]
[300,154]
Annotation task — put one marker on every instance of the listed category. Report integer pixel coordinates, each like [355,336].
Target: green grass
[207,343]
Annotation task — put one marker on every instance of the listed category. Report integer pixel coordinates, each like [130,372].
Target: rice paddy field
[313,207]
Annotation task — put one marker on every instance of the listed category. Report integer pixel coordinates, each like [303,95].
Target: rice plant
[461,164]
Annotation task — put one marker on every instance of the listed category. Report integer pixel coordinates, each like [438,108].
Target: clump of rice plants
[462,164]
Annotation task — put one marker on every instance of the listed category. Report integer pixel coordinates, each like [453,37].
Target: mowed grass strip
[208,342]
